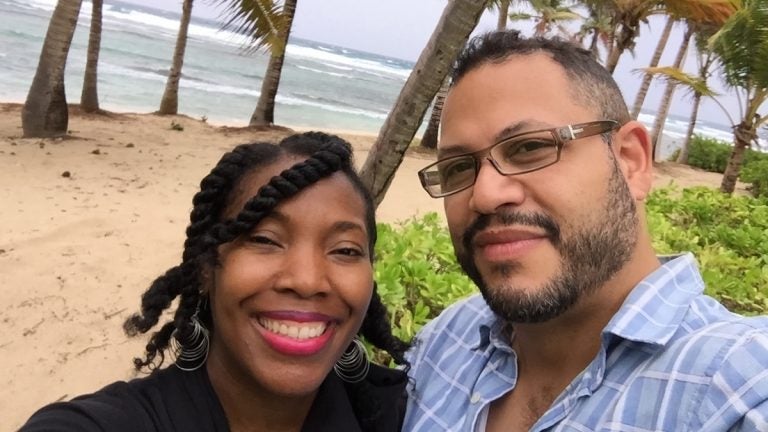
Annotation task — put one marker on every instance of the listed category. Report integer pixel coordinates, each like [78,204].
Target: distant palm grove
[729,37]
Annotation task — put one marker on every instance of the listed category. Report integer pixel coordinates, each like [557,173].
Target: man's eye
[521,148]
[457,167]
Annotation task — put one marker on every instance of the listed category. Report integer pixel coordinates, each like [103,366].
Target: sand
[88,221]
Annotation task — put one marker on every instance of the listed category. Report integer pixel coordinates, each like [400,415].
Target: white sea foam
[170,26]
[338,59]
[288,100]
[340,75]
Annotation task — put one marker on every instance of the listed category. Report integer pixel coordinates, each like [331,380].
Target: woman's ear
[206,280]
[634,152]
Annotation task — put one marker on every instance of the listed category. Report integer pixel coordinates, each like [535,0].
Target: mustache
[537,220]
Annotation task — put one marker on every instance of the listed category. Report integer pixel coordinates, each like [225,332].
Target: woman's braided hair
[325,155]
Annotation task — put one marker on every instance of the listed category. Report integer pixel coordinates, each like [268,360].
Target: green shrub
[756,172]
[709,154]
[417,273]
[728,235]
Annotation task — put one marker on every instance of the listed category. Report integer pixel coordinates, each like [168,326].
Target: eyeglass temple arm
[572,132]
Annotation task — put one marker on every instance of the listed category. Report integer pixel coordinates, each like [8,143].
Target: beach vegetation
[169,104]
[742,47]
[458,20]
[89,97]
[177,126]
[756,173]
[45,113]
[418,276]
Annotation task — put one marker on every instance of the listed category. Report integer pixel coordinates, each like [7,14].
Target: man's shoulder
[706,345]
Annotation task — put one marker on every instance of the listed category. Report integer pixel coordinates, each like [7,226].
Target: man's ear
[634,152]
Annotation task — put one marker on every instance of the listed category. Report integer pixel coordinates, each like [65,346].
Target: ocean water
[322,85]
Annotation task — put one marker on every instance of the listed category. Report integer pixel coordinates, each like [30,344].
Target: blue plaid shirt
[671,359]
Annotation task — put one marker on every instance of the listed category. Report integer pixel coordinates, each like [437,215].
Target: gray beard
[591,256]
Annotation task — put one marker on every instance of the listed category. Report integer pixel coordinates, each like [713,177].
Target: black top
[173,400]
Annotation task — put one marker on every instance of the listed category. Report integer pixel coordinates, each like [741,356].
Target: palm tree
[267,24]
[89,98]
[547,14]
[666,100]
[705,59]
[45,110]
[647,77]
[696,85]
[700,16]
[627,15]
[429,139]
[169,104]
[264,114]
[742,47]
[502,6]
[598,23]
[458,20]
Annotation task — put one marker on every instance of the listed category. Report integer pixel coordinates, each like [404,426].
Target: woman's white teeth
[294,330]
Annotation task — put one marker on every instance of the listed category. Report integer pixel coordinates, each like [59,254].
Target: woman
[275,282]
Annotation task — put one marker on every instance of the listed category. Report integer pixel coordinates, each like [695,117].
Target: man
[580,327]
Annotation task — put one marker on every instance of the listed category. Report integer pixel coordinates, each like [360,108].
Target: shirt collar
[654,310]
[651,313]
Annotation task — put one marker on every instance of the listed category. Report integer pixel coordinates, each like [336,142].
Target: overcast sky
[401,28]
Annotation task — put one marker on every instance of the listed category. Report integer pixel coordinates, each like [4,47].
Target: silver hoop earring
[192,353]
[353,365]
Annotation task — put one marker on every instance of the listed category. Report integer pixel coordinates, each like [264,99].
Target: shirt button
[475,398]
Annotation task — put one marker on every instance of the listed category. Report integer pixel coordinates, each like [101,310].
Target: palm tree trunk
[742,137]
[429,140]
[501,23]
[685,149]
[666,101]
[264,114]
[593,44]
[619,43]
[45,110]
[170,101]
[89,98]
[646,84]
[458,20]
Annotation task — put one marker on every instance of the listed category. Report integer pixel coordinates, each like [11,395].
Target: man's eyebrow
[508,131]
[521,127]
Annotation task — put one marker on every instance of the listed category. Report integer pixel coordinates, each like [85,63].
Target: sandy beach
[89,220]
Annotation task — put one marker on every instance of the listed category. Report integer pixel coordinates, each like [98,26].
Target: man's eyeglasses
[518,154]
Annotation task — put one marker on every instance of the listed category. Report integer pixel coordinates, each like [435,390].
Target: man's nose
[493,190]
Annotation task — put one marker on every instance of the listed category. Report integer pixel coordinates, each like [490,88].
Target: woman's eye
[262,239]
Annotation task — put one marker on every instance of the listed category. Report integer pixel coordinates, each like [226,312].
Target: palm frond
[261,21]
[742,46]
[692,83]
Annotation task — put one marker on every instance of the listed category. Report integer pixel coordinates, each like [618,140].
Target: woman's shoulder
[166,400]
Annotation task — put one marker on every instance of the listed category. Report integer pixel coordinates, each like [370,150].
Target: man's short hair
[591,84]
